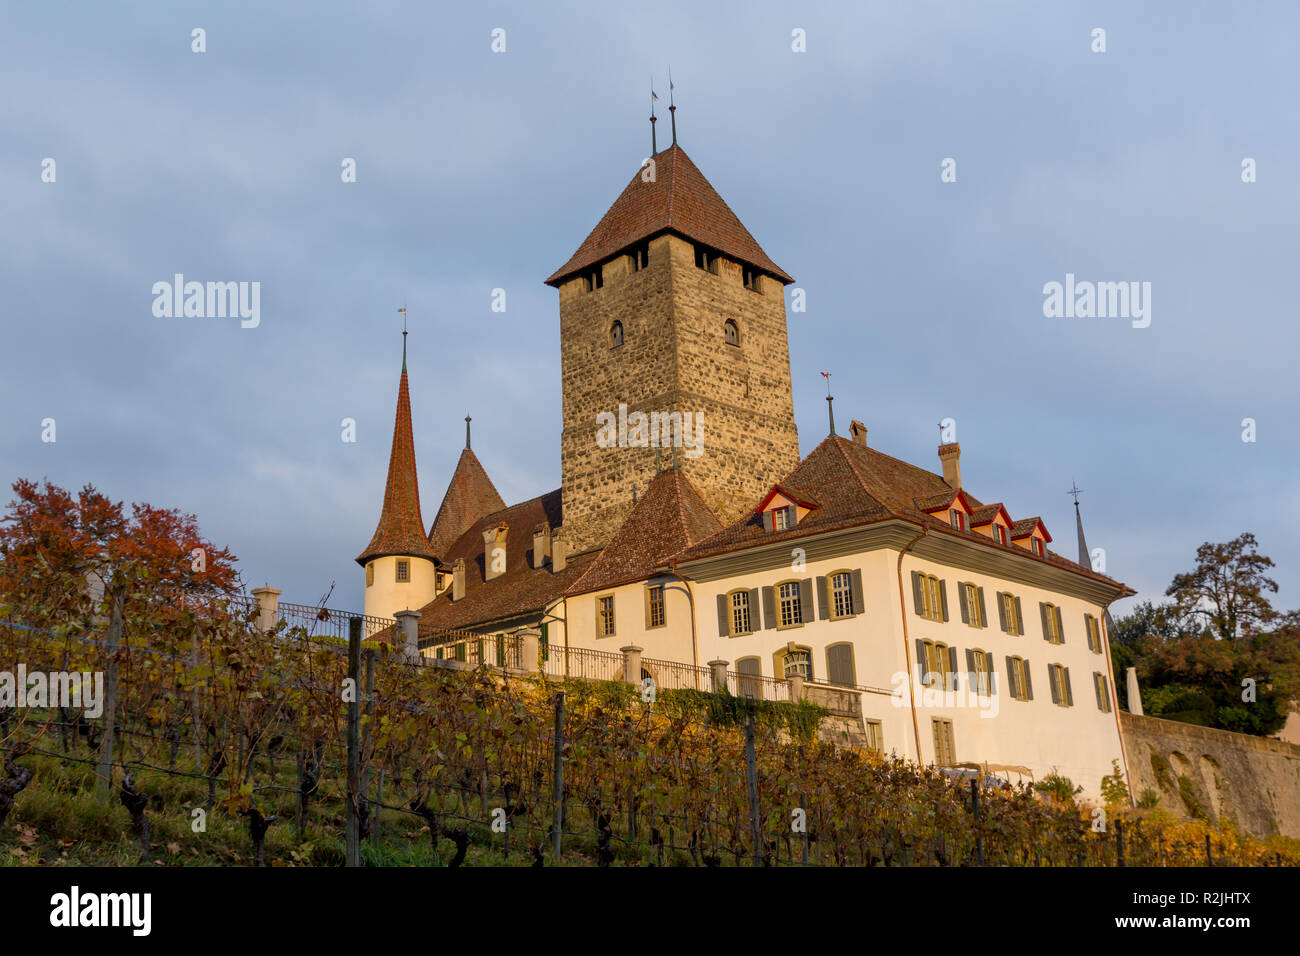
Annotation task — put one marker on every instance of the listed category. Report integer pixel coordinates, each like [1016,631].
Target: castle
[957,634]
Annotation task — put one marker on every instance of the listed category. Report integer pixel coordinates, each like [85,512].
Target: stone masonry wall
[673,359]
[1252,780]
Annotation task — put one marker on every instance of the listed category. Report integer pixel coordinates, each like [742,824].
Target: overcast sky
[479,170]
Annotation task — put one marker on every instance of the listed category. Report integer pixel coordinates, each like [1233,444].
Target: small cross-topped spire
[467,421]
[1075,490]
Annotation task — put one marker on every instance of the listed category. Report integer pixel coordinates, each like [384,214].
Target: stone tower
[399,562]
[670,306]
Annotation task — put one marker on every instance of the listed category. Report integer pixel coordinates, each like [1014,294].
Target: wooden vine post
[104,771]
[557,778]
[353,849]
[751,775]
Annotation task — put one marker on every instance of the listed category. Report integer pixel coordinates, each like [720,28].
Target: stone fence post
[267,601]
[632,664]
[407,638]
[796,688]
[530,650]
[718,672]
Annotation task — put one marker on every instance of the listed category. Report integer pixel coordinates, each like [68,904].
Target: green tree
[1226,592]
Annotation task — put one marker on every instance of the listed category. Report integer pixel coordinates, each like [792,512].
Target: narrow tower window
[616,334]
[731,332]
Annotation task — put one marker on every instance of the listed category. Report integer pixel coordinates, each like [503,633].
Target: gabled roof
[522,589]
[668,519]
[798,495]
[986,515]
[470,496]
[945,499]
[679,200]
[401,527]
[1026,526]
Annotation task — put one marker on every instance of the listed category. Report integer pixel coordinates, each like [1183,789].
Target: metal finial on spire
[654,146]
[672,107]
[830,400]
[402,312]
[467,421]
[1075,490]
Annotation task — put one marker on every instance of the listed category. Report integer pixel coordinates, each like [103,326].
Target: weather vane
[1075,490]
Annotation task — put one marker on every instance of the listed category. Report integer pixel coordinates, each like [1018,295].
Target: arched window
[731,332]
[616,334]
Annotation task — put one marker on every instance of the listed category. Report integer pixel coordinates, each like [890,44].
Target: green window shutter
[1053,682]
[1096,689]
[1002,611]
[769,608]
[839,665]
[754,623]
[1029,682]
[1047,627]
[984,614]
[1087,629]
[724,616]
[961,599]
[943,598]
[823,604]
[970,666]
[917,596]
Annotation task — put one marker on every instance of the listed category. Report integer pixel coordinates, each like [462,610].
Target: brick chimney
[858,431]
[950,457]
[494,551]
[559,551]
[458,579]
[541,544]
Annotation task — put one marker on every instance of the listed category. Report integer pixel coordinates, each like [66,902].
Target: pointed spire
[672,107]
[830,401]
[654,146]
[1085,558]
[401,526]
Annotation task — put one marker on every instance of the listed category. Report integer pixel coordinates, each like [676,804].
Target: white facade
[1077,740]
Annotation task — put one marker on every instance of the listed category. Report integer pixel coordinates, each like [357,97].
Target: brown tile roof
[1025,527]
[679,200]
[401,527]
[470,496]
[857,485]
[668,519]
[986,514]
[521,589]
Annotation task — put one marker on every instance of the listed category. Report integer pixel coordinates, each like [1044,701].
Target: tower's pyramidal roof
[401,526]
[470,496]
[678,199]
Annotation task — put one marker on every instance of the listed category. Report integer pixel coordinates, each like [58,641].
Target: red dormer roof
[679,200]
[944,500]
[1027,526]
[797,495]
[986,515]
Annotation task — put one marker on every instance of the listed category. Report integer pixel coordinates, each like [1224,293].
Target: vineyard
[221,743]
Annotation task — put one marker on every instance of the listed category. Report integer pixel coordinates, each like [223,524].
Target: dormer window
[1037,545]
[751,279]
[999,534]
[731,333]
[616,334]
[958,519]
[783,518]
